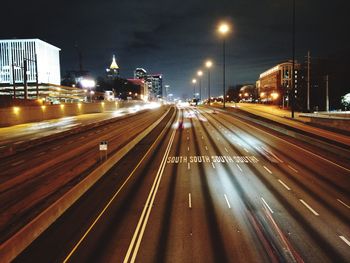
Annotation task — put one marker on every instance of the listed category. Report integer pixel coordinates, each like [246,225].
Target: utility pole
[224,69]
[327,94]
[25,79]
[13,78]
[200,88]
[292,97]
[209,86]
[36,76]
[308,81]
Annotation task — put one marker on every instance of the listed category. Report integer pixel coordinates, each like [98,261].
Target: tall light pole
[208,65]
[224,30]
[200,74]
[194,81]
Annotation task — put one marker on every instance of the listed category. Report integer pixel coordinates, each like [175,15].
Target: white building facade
[40,58]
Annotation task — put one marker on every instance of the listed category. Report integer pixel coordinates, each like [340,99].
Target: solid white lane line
[188,148]
[344,204]
[228,203]
[141,226]
[267,205]
[226,149]
[267,169]
[246,150]
[189,200]
[239,167]
[292,168]
[309,207]
[110,202]
[17,163]
[212,164]
[282,183]
[188,166]
[206,148]
[345,240]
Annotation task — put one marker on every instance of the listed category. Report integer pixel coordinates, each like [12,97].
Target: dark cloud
[175,37]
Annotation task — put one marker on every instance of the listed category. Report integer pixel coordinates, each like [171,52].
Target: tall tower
[113,70]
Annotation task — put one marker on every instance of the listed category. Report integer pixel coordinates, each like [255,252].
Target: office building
[275,83]
[25,64]
[140,73]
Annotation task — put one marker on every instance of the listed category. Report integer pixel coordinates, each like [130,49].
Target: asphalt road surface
[209,188]
[31,180]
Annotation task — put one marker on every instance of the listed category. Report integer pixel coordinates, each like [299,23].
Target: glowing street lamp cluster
[223,29]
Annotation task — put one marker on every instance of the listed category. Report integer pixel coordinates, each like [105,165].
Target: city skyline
[175,41]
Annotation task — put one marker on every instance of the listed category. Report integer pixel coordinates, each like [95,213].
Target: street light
[200,74]
[224,29]
[194,81]
[208,65]
[91,93]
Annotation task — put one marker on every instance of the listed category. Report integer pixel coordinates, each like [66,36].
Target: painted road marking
[202,138]
[239,167]
[212,158]
[292,168]
[344,204]
[267,169]
[226,149]
[142,223]
[39,154]
[309,207]
[246,150]
[282,183]
[228,203]
[189,200]
[345,240]
[188,166]
[318,156]
[267,205]
[18,142]
[111,200]
[188,148]
[17,163]
[212,164]
[188,138]
[206,148]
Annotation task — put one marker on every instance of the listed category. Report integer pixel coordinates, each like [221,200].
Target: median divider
[25,236]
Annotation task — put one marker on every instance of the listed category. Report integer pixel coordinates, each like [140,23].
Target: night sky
[175,37]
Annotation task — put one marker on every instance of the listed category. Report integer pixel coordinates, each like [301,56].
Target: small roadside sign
[103,146]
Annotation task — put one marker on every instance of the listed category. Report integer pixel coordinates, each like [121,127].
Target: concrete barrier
[19,241]
[18,115]
[334,121]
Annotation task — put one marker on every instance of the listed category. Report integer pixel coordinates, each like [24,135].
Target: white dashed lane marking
[267,169]
[309,207]
[344,204]
[292,168]
[284,185]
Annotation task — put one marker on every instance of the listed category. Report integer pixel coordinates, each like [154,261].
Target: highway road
[31,180]
[209,188]
[18,134]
